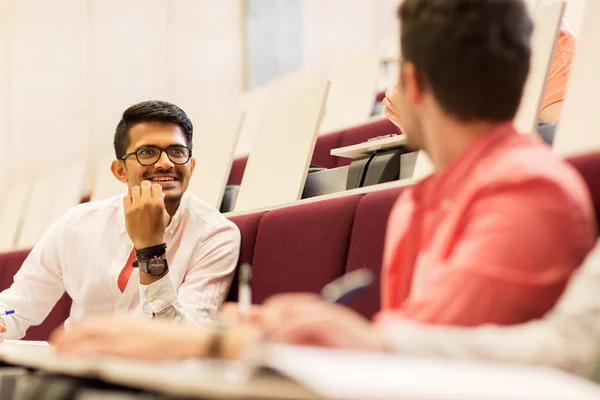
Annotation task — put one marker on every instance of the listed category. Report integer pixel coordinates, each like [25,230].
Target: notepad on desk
[358,375]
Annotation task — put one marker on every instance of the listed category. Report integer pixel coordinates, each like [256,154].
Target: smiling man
[155,252]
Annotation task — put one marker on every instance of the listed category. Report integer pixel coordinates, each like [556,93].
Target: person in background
[156,251]
[558,79]
[492,237]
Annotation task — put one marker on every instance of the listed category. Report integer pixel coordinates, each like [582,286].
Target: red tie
[126,272]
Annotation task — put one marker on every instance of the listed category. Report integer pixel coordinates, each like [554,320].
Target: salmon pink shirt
[492,238]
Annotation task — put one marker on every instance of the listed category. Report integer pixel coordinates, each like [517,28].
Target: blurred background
[69,68]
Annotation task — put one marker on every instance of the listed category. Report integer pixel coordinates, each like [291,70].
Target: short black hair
[474,55]
[150,111]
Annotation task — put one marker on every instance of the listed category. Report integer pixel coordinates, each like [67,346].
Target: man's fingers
[127,201]
[157,193]
[146,190]
[136,195]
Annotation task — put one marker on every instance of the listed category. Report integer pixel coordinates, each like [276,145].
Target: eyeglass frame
[162,150]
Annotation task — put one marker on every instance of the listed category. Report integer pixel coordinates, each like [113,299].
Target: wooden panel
[579,126]
[253,104]
[353,90]
[47,84]
[214,147]
[14,204]
[278,165]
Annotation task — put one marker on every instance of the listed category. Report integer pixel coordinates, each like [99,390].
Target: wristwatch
[154,266]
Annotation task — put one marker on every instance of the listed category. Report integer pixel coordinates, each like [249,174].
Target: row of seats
[325,143]
[302,248]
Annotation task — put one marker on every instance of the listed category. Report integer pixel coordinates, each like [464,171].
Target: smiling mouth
[159,179]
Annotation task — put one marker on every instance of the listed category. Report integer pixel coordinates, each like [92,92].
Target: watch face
[157,266]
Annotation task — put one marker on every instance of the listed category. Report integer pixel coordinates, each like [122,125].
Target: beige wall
[68,69]
[335,28]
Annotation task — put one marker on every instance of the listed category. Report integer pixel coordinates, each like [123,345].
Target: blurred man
[156,252]
[492,237]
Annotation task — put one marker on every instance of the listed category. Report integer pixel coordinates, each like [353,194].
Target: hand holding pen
[2,323]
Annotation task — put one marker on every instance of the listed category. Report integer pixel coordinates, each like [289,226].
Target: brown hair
[472,54]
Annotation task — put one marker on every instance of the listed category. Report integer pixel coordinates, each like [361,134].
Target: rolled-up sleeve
[206,283]
[37,286]
[567,338]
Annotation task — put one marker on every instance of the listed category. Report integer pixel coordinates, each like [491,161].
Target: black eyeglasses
[149,155]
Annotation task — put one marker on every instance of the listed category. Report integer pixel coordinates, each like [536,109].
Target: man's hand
[306,320]
[2,328]
[146,218]
[390,107]
[231,312]
[143,339]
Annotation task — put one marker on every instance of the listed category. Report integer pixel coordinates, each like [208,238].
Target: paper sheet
[24,342]
[359,375]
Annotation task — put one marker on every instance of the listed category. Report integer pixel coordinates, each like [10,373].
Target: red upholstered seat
[237,171]
[366,244]
[248,226]
[322,154]
[302,248]
[588,166]
[9,265]
[363,133]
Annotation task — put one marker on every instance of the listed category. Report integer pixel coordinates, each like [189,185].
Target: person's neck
[172,208]
[447,137]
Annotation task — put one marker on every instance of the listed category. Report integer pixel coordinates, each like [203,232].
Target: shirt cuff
[159,295]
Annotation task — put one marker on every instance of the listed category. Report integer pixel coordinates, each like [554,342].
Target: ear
[118,169]
[192,165]
[413,83]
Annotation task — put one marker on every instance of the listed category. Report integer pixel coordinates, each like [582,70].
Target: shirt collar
[448,180]
[175,220]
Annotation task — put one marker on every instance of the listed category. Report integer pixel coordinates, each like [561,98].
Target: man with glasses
[156,251]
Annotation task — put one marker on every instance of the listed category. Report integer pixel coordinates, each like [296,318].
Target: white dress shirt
[84,252]
[568,337]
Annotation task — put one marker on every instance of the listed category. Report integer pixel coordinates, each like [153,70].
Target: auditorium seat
[302,248]
[248,225]
[9,265]
[362,133]
[366,243]
[325,143]
[237,171]
[588,166]
[322,154]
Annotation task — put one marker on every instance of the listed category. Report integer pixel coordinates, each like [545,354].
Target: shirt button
[121,306]
[152,299]
[113,277]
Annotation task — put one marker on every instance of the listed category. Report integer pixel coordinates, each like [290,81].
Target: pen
[7,312]
[339,291]
[348,286]
[245,291]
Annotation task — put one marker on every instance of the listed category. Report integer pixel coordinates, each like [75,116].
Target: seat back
[588,166]
[366,244]
[302,248]
[248,225]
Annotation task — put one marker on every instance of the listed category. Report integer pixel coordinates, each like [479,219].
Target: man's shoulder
[92,209]
[529,165]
